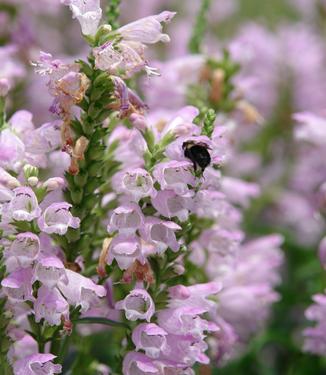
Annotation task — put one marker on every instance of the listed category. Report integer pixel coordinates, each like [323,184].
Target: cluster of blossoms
[168,183]
[182,211]
[311,135]
[40,285]
[268,59]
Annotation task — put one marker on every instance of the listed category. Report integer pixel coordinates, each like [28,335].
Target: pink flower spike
[138,304]
[57,219]
[37,364]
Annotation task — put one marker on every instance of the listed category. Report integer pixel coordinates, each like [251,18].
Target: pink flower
[18,285]
[125,250]
[24,205]
[126,219]
[25,248]
[195,295]
[181,124]
[127,54]
[138,363]
[221,242]
[22,346]
[8,181]
[87,12]
[50,270]
[147,30]
[137,183]
[175,175]
[239,191]
[315,337]
[187,350]
[170,205]
[185,320]
[37,364]
[312,128]
[54,183]
[161,234]
[12,150]
[246,308]
[151,338]
[80,290]
[138,304]
[44,139]
[57,219]
[50,305]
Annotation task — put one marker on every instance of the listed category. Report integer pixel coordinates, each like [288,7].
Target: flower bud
[138,121]
[30,171]
[32,181]
[8,180]
[54,183]
[179,269]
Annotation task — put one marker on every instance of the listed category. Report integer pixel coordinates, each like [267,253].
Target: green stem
[200,27]
[81,189]
[113,13]
[63,349]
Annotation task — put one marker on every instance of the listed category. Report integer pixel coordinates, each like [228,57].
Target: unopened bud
[8,180]
[54,183]
[32,181]
[30,171]
[138,121]
[179,269]
[4,87]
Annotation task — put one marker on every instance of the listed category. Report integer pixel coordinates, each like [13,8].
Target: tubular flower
[126,52]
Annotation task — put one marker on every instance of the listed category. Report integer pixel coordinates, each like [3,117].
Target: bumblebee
[198,153]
